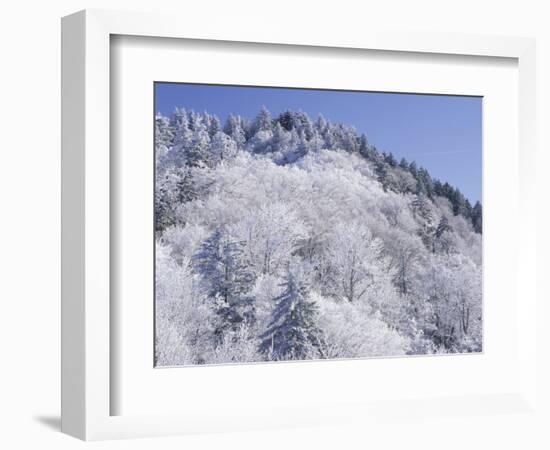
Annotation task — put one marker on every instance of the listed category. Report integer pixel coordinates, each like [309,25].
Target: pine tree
[458,201]
[292,332]
[213,124]
[281,139]
[467,212]
[422,209]
[286,120]
[425,182]
[164,135]
[164,216]
[304,124]
[263,121]
[442,235]
[438,188]
[183,137]
[234,128]
[381,172]
[390,159]
[198,153]
[227,281]
[164,200]
[477,217]
[303,147]
[364,146]
[222,147]
[186,188]
[442,227]
[413,169]
[348,139]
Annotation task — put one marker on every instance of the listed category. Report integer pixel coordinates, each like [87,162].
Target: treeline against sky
[285,238]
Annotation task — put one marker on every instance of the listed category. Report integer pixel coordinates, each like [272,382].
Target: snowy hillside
[285,238]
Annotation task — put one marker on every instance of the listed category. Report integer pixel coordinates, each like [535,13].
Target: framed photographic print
[281,229]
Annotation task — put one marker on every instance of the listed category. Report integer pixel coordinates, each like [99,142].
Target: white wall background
[29,225]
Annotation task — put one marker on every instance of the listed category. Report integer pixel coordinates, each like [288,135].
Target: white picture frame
[87,354]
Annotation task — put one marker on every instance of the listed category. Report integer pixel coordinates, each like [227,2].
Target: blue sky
[441,133]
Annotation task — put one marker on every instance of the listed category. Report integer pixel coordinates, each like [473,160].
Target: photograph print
[305,224]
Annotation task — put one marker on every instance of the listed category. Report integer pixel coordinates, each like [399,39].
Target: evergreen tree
[213,125]
[413,169]
[164,135]
[222,147]
[192,118]
[364,146]
[183,137]
[227,281]
[458,202]
[263,121]
[390,159]
[477,217]
[438,188]
[186,188]
[234,128]
[198,153]
[467,212]
[164,200]
[305,125]
[321,124]
[442,236]
[286,120]
[280,140]
[425,182]
[372,153]
[292,332]
[422,209]
[303,145]
[350,142]
[442,227]
[381,172]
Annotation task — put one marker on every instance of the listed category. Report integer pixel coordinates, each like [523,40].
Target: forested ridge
[284,238]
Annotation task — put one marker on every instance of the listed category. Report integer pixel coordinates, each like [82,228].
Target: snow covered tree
[424,183]
[198,152]
[442,241]
[213,125]
[389,159]
[477,217]
[226,280]
[364,146]
[270,236]
[422,209]
[293,333]
[281,139]
[223,148]
[164,136]
[186,186]
[381,171]
[284,239]
[234,128]
[176,154]
[263,121]
[353,257]
[286,120]
[352,330]
[165,199]
[454,287]
[182,318]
